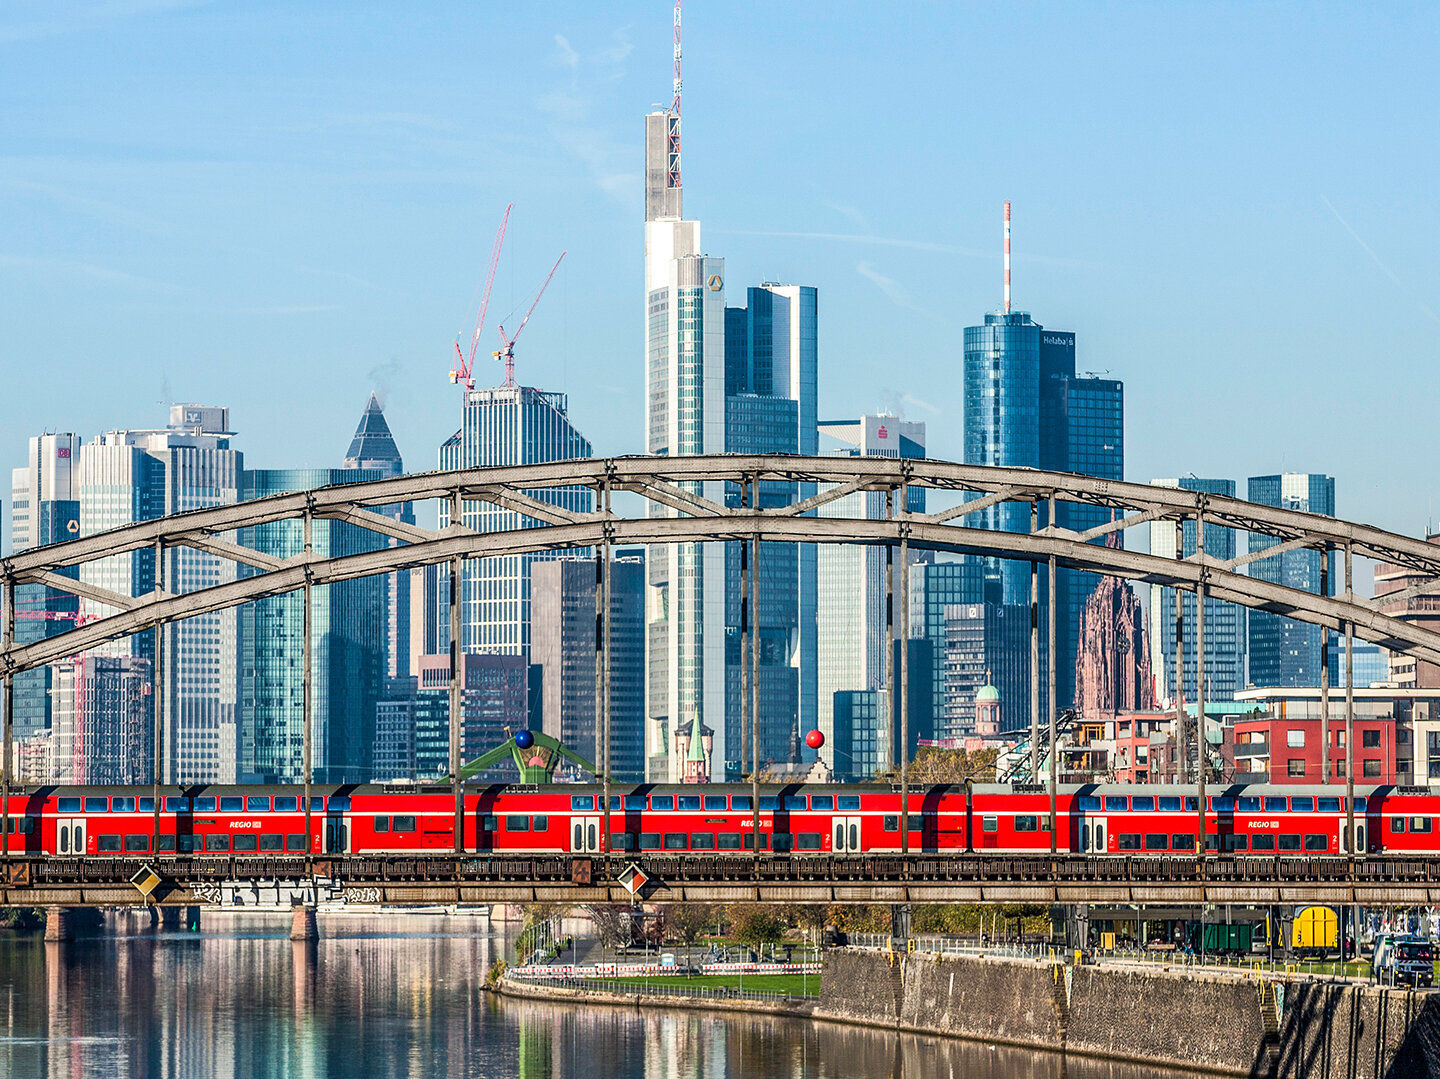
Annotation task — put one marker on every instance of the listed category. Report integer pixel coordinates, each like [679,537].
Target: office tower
[987,644]
[562,650]
[373,449]
[127,476]
[347,633]
[1282,652]
[506,425]
[934,588]
[1421,609]
[1225,642]
[865,744]
[44,510]
[850,591]
[1025,406]
[103,728]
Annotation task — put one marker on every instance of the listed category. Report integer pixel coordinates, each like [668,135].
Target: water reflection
[391,998]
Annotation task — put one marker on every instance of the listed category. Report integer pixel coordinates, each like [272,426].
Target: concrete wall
[1201,1020]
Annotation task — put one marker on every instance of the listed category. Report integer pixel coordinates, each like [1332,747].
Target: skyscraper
[934,588]
[347,632]
[506,425]
[987,644]
[127,476]
[1224,622]
[1283,652]
[850,603]
[373,449]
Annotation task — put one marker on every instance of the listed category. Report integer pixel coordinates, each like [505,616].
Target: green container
[1223,938]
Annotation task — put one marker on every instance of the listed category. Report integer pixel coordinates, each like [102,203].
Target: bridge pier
[57,924]
[302,924]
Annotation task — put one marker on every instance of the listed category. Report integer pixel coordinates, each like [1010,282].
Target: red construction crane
[465,364]
[506,351]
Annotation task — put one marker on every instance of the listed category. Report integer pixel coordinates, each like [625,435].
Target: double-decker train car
[794,819]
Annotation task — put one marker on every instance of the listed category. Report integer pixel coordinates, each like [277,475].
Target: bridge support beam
[302,923]
[900,926]
[57,924]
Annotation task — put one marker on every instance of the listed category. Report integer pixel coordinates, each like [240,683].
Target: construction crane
[506,351]
[465,364]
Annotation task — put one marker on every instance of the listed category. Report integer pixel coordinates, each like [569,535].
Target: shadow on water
[403,997]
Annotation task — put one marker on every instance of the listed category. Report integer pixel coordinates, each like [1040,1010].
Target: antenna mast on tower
[673,179]
[1007,256]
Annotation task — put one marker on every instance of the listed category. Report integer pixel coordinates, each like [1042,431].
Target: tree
[686,921]
[756,924]
[934,765]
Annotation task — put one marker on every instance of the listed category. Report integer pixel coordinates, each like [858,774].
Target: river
[393,997]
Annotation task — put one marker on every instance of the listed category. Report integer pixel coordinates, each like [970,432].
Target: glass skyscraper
[1224,622]
[1283,652]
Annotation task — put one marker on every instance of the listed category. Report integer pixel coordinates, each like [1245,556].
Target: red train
[796,819]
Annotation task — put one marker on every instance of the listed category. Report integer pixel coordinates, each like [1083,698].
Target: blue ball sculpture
[524,739]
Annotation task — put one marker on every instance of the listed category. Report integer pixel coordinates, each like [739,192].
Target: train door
[70,836]
[337,834]
[585,835]
[846,834]
[1092,835]
[1359,845]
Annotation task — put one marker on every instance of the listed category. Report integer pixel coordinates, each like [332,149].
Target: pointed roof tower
[373,446]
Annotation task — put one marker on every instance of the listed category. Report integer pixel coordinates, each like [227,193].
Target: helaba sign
[1060,339]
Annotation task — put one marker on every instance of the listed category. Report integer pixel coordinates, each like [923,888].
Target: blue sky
[282,206]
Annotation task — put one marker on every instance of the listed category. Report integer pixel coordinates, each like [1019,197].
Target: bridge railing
[658,988]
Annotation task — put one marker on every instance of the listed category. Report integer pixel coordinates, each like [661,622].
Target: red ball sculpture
[815,739]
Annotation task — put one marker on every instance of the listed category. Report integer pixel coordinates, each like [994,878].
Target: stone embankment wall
[1209,1021]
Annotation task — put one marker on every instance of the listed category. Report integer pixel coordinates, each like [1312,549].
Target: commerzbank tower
[722,379]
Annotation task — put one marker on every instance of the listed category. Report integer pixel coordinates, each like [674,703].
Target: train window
[257,803]
[1168,803]
[1359,805]
[822,803]
[987,824]
[1157,841]
[108,843]
[488,823]
[848,803]
[807,841]
[728,841]
[538,823]
[205,804]
[1182,841]
[583,802]
[1289,842]
[1087,801]
[1302,805]
[662,803]
[339,803]
[1236,842]
[1192,803]
[286,803]
[272,841]
[1145,804]
[188,844]
[516,822]
[137,842]
[688,801]
[317,803]
[916,822]
[784,842]
[892,822]
[167,843]
[749,838]
[97,805]
[715,802]
[246,843]
[1247,803]
[1222,804]
[1212,842]
[634,803]
[67,805]
[122,805]
[740,803]
[382,824]
[795,803]
[1328,805]
[232,803]
[622,841]
[25,825]
[1262,842]
[1127,841]
[295,842]
[768,803]
[1116,804]
[676,840]
[1274,804]
[177,804]
[217,842]
[1420,824]
[145,805]
[406,823]
[1025,822]
[649,840]
[1317,842]
[702,840]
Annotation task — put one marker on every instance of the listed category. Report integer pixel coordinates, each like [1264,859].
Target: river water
[387,997]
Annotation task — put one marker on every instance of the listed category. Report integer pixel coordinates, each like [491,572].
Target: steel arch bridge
[668,486]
